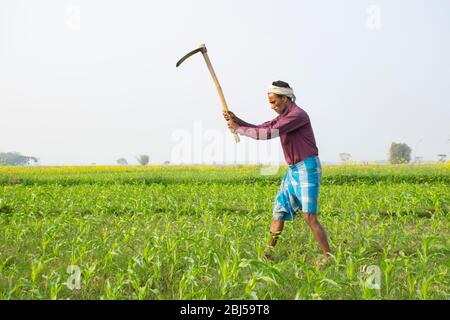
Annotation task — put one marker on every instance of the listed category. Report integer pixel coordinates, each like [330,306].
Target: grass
[199,233]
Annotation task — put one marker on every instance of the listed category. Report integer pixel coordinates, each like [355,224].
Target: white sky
[93,81]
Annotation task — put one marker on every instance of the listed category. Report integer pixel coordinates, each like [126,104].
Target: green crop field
[200,233]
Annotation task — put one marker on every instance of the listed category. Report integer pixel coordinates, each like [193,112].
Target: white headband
[288,92]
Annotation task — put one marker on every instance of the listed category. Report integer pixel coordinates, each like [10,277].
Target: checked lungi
[299,190]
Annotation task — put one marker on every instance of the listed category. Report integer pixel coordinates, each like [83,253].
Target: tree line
[399,153]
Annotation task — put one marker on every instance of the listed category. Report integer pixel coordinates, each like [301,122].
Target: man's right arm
[231,116]
[276,127]
[259,132]
[242,123]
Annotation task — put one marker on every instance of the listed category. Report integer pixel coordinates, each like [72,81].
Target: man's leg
[318,231]
[275,230]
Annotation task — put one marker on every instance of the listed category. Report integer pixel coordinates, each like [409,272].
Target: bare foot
[268,253]
[324,261]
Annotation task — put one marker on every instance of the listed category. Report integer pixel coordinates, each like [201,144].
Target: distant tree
[345,157]
[399,153]
[418,160]
[167,162]
[122,162]
[16,159]
[143,159]
[442,158]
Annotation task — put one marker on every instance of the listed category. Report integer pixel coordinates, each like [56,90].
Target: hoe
[202,49]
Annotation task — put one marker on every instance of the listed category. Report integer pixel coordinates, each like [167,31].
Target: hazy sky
[95,80]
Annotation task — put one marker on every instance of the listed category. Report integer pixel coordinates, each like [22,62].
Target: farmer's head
[280,95]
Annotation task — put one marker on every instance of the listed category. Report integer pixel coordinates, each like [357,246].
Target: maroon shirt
[294,129]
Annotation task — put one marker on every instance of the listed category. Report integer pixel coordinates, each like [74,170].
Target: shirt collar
[288,108]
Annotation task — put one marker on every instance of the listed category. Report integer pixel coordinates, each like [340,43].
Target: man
[299,190]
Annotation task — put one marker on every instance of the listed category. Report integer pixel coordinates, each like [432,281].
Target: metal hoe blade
[202,49]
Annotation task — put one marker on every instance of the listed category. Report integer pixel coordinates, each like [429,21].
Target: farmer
[299,190]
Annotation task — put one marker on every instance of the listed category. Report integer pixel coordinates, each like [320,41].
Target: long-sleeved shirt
[293,127]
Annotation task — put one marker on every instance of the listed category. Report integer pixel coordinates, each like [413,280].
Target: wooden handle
[219,89]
